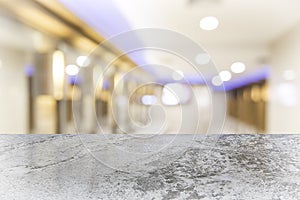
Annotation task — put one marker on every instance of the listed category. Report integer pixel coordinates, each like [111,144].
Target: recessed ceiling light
[216,81]
[209,23]
[225,75]
[177,75]
[72,70]
[83,61]
[238,67]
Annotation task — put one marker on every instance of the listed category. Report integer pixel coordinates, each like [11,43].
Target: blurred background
[56,78]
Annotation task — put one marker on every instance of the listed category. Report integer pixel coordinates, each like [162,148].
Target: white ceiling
[242,22]
[246,29]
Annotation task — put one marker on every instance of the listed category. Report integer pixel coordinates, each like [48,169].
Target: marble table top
[149,167]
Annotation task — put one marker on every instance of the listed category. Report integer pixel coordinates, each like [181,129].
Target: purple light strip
[258,75]
[188,79]
[103,16]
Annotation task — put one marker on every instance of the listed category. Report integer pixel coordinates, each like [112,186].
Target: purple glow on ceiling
[102,15]
[106,19]
[256,76]
[188,79]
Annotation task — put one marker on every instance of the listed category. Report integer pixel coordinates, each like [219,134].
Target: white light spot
[225,75]
[216,81]
[209,23]
[72,70]
[238,67]
[149,100]
[169,97]
[83,61]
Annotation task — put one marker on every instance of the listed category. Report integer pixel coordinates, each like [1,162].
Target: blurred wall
[13,87]
[284,106]
[15,53]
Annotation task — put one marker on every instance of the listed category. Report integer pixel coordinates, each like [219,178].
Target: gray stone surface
[149,167]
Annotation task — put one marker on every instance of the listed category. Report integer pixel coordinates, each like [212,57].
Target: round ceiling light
[238,67]
[209,23]
[216,81]
[225,75]
[72,70]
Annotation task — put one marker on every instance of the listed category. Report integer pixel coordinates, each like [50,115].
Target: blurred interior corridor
[150,67]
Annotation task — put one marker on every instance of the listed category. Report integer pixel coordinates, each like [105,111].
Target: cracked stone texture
[156,167]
